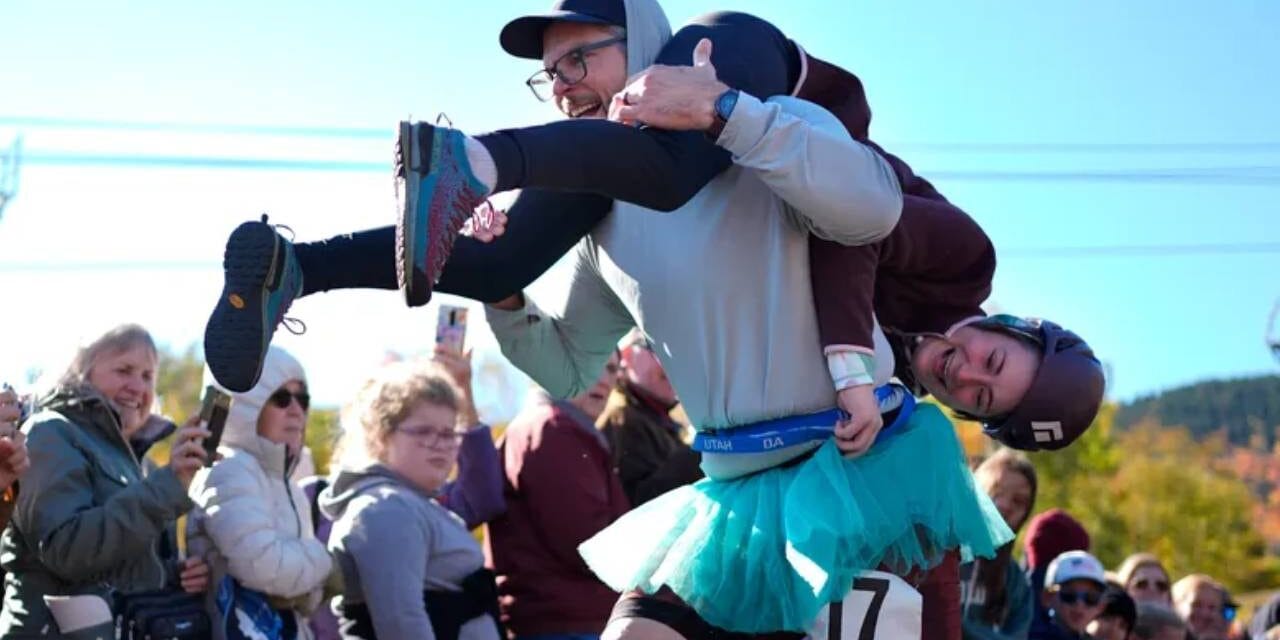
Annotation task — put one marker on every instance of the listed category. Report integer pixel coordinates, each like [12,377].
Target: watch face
[725,104]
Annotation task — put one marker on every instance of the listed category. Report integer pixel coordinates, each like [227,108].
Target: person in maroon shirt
[560,489]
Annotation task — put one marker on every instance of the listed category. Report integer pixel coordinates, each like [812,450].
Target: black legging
[567,194]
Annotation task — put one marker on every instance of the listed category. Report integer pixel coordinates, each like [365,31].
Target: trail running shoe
[262,277]
[436,192]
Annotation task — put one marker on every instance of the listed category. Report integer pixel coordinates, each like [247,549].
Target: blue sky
[1110,98]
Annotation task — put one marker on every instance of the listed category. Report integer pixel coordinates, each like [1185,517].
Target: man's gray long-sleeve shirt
[722,284]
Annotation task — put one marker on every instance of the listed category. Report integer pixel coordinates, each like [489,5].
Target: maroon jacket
[932,271]
[560,489]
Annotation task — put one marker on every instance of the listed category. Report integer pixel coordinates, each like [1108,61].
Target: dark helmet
[1065,395]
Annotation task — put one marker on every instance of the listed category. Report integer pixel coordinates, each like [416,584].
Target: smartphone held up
[451,327]
[213,415]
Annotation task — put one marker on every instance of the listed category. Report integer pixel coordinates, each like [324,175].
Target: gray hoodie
[721,285]
[393,542]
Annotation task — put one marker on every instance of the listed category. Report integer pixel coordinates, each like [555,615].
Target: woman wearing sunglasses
[1145,578]
[252,525]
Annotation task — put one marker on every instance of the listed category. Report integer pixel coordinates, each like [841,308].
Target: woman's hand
[459,367]
[856,435]
[193,573]
[187,455]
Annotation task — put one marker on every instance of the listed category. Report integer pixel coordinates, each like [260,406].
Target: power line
[1167,250]
[195,127]
[1240,175]
[383,133]
[1099,251]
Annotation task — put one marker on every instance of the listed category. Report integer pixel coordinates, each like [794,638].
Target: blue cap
[522,37]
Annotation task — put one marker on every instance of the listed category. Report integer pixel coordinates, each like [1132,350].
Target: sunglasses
[1090,598]
[1158,585]
[284,397]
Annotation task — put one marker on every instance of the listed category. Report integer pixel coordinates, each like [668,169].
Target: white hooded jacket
[252,520]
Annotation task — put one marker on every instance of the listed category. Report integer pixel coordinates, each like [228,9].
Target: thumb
[702,53]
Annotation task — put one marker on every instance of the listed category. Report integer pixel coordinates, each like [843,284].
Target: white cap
[1075,565]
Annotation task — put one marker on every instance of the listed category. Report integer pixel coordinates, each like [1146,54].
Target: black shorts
[667,608]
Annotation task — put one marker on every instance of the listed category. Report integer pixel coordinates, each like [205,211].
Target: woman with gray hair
[90,518]
[410,567]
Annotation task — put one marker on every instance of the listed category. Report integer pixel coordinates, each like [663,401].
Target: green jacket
[89,519]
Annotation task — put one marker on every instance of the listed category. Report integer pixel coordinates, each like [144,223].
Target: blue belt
[771,435]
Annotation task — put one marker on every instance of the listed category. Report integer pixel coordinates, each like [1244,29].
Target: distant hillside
[1249,409]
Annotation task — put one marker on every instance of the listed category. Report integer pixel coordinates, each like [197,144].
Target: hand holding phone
[213,416]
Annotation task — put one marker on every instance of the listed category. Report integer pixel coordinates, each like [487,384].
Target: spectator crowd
[384,546]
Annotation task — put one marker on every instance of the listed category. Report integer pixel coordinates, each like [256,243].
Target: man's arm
[563,349]
[839,189]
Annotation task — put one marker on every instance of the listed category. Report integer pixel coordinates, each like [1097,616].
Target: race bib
[881,606]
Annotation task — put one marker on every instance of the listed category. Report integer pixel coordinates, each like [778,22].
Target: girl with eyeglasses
[252,525]
[410,567]
[1145,578]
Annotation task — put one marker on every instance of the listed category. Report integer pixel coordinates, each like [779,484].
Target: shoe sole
[237,335]
[413,282]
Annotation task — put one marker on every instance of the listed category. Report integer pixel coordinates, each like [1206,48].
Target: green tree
[1155,488]
[323,431]
[180,388]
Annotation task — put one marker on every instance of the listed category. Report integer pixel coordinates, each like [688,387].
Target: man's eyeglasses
[570,68]
[432,436]
[1090,598]
[282,398]
[1158,585]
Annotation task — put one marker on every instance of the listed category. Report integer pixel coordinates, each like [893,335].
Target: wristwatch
[723,109]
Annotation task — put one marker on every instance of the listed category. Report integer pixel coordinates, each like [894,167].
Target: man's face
[606,67]
[980,372]
[592,401]
[643,370]
[1075,603]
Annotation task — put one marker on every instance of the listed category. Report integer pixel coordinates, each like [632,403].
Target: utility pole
[10,160]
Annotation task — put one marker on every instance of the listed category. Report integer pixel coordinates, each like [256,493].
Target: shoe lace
[293,325]
[483,214]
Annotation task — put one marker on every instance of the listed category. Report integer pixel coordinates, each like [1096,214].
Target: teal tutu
[766,552]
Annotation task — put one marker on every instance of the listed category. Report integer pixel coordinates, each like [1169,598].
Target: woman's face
[1149,583]
[978,371]
[1011,493]
[127,379]
[286,424]
[424,446]
[1204,613]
